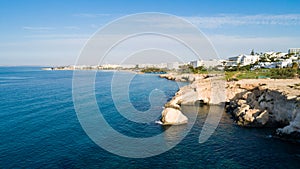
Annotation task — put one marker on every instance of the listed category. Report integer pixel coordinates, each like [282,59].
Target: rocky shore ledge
[251,102]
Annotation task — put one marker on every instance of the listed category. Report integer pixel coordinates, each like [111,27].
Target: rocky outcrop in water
[171,116]
[198,91]
[269,103]
[252,102]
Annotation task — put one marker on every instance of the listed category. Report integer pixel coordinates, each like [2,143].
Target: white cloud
[46,29]
[58,36]
[41,52]
[239,20]
[71,27]
[31,28]
[227,46]
[94,26]
[51,48]
[91,15]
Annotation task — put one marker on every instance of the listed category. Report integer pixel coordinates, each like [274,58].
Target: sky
[54,32]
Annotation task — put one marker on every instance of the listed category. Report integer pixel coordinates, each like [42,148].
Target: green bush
[283,73]
[199,69]
[153,70]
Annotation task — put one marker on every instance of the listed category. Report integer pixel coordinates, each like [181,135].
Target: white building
[212,63]
[196,63]
[281,55]
[110,66]
[174,65]
[242,60]
[267,65]
[207,63]
[285,63]
[148,65]
[294,51]
[128,66]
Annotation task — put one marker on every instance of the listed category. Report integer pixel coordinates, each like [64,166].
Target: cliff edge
[251,102]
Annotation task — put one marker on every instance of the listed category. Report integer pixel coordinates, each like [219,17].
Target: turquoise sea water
[40,129]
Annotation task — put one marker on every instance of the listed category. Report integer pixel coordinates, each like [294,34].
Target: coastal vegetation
[263,73]
[153,70]
[199,69]
[245,72]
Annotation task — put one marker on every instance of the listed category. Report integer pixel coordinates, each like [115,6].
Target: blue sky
[53,32]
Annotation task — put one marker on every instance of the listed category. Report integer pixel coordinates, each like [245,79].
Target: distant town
[253,60]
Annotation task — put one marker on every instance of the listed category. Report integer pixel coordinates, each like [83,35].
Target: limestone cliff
[270,103]
[252,102]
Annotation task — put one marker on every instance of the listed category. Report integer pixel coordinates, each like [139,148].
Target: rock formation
[252,102]
[183,77]
[199,90]
[171,116]
[267,103]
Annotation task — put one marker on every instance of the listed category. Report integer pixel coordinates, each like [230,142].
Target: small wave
[158,122]
[15,78]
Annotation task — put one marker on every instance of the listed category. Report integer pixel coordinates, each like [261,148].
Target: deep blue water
[40,129]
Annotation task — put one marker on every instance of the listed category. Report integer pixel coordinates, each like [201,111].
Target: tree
[263,58]
[252,52]
[295,66]
[238,66]
[224,63]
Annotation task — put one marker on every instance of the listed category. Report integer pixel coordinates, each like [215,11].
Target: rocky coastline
[251,102]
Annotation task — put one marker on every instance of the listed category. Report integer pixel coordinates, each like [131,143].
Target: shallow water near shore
[40,129]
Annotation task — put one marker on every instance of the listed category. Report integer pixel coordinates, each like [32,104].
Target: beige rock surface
[173,116]
[255,102]
[277,102]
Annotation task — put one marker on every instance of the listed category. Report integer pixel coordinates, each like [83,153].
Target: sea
[40,127]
